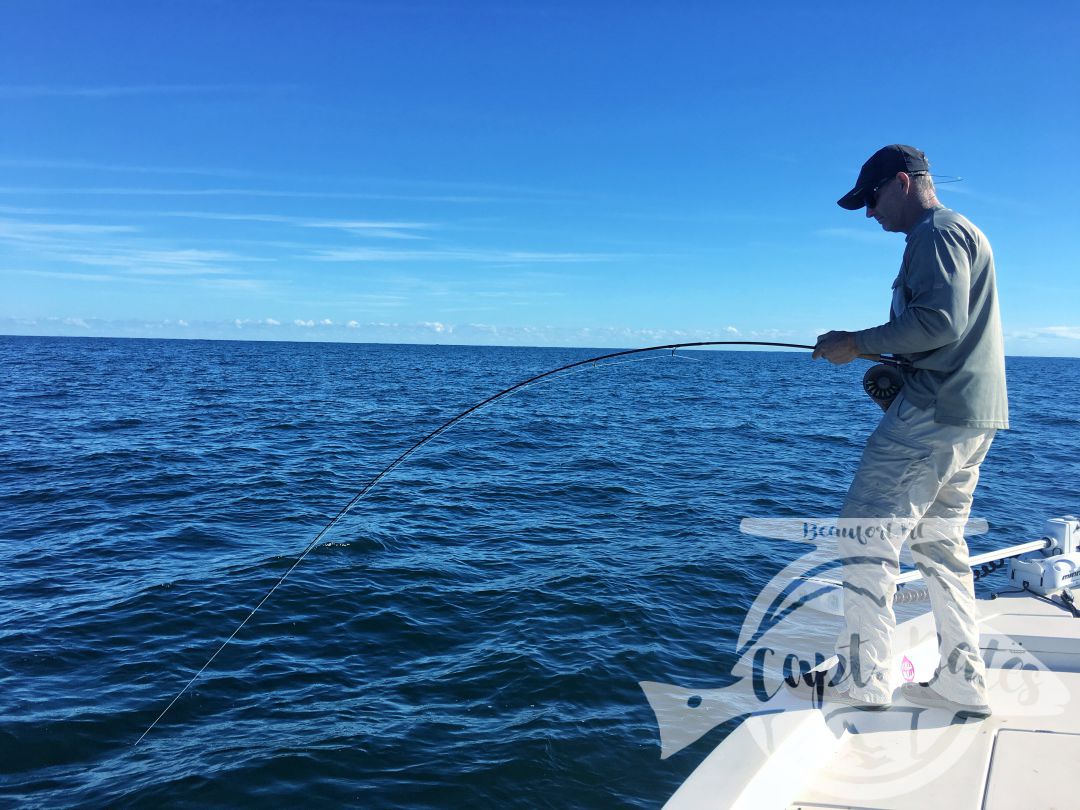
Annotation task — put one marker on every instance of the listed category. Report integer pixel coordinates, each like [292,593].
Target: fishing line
[572,372]
[577,365]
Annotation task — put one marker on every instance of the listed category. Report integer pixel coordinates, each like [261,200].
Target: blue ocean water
[475,630]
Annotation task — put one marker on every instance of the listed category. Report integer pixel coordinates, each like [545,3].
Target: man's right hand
[836,347]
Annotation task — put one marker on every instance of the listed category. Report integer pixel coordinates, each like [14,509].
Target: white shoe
[833,695]
[922,694]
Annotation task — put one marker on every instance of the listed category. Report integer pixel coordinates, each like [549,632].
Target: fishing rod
[882,383]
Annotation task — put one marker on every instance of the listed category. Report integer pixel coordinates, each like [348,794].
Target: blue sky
[589,174]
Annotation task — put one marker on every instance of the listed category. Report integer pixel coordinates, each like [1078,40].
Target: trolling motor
[1054,567]
[1048,567]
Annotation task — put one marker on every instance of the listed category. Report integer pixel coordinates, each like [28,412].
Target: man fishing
[920,466]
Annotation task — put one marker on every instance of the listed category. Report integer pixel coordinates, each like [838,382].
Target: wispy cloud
[457,254]
[374,188]
[231,284]
[96,277]
[390,229]
[1067,332]
[148,276]
[163,262]
[29,91]
[990,198]
[386,229]
[865,235]
[128,191]
[35,231]
[123,250]
[775,335]
[85,165]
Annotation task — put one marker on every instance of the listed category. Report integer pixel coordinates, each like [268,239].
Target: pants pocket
[887,477]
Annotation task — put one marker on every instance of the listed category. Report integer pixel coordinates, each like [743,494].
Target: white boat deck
[909,757]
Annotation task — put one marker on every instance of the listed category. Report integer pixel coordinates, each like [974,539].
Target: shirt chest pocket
[899,299]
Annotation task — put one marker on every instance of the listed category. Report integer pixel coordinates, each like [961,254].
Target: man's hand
[836,347]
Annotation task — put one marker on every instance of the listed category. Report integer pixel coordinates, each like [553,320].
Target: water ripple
[473,633]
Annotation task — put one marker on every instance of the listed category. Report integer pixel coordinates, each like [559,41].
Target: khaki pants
[914,484]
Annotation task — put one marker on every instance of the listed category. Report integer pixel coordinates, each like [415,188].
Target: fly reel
[882,383]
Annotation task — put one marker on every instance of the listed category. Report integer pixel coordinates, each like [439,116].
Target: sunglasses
[870,198]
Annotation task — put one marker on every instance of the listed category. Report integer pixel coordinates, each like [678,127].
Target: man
[921,464]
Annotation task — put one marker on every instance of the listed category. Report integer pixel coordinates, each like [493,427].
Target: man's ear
[905,181]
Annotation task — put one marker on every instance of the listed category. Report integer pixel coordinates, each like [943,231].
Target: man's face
[887,204]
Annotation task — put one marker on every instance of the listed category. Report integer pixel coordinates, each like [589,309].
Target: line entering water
[547,376]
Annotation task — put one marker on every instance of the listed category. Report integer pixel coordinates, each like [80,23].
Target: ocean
[473,632]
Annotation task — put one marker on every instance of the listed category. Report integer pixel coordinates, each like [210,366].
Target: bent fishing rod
[881,360]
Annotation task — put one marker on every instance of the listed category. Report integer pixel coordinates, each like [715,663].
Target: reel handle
[882,383]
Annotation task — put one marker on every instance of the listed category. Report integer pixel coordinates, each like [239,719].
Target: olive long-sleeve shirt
[945,320]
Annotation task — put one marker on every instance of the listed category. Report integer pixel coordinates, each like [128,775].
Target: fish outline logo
[803,589]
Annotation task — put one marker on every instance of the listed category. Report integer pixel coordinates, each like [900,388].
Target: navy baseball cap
[883,164]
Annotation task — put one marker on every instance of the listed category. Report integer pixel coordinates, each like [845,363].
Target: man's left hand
[836,347]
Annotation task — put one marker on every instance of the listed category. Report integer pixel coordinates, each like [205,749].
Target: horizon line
[689,346]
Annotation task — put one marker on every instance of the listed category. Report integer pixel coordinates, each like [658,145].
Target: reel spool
[882,383]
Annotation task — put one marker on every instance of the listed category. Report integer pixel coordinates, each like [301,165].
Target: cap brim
[853,200]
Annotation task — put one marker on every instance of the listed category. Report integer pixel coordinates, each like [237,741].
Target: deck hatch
[1032,769]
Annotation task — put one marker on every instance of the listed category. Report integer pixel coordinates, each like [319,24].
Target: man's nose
[869,212]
